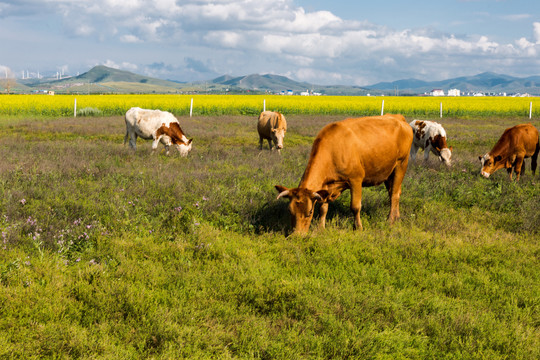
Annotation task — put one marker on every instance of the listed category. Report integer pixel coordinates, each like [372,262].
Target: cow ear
[451,148]
[321,195]
[480,157]
[189,141]
[282,190]
[273,130]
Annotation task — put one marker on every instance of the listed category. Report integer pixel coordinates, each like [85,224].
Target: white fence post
[75,108]
[382,108]
[191,108]
[264,104]
[440,111]
[530,110]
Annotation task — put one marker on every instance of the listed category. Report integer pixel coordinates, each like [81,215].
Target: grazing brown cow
[350,154]
[272,127]
[516,144]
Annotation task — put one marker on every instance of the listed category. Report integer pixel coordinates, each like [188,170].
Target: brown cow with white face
[272,126]
[516,144]
[351,154]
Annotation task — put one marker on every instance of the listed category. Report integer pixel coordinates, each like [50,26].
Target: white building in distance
[454,92]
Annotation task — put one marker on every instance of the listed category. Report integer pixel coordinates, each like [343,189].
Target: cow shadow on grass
[274,216]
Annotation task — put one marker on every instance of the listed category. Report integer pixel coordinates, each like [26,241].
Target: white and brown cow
[158,126]
[431,137]
[516,144]
[351,154]
[272,126]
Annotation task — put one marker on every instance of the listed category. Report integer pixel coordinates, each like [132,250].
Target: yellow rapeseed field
[63,105]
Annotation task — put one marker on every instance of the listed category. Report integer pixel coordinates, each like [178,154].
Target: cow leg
[356,203]
[269,144]
[509,170]
[322,215]
[155,144]
[427,150]
[393,185]
[518,167]
[534,158]
[414,150]
[133,140]
[260,142]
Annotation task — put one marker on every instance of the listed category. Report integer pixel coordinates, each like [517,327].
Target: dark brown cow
[516,144]
[351,154]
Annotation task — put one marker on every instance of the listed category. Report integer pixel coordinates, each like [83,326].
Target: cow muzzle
[485,174]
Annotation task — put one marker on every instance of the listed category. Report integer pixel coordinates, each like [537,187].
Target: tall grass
[107,253]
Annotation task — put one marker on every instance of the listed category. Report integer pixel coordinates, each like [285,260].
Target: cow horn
[283,194]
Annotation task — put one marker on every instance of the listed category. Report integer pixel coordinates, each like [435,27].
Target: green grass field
[109,254]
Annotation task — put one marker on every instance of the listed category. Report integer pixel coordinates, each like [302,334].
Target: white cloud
[516,17]
[230,34]
[123,66]
[310,22]
[487,46]
[536,29]
[84,30]
[130,39]
[315,76]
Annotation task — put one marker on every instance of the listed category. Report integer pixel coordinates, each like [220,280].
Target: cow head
[183,147]
[490,164]
[277,137]
[446,155]
[301,205]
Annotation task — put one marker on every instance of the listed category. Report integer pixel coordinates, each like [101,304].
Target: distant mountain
[104,79]
[487,82]
[103,74]
[279,84]
[116,78]
[273,83]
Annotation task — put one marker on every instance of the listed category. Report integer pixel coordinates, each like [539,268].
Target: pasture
[107,253]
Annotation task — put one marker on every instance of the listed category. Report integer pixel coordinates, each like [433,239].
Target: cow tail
[534,159]
[127,132]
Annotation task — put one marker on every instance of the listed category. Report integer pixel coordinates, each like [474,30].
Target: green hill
[103,79]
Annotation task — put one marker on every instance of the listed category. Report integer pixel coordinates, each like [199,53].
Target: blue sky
[321,42]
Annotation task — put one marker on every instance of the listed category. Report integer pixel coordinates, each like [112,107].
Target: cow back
[269,120]
[520,138]
[368,148]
